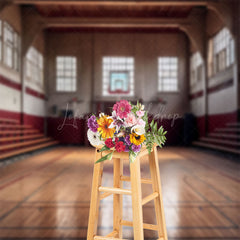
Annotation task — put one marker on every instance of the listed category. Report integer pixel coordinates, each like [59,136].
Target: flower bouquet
[126,130]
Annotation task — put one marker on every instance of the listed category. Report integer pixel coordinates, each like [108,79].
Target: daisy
[104,127]
[94,138]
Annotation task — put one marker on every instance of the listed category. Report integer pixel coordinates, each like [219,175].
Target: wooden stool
[99,192]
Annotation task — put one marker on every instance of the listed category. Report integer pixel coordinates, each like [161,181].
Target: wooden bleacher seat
[216,147]
[8,120]
[2,132]
[21,144]
[224,135]
[27,149]
[19,138]
[16,126]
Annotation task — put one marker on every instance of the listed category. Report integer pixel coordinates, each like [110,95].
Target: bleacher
[17,139]
[225,139]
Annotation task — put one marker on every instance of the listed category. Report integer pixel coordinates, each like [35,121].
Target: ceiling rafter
[112,3]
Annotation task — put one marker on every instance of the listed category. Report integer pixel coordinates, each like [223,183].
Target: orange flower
[104,123]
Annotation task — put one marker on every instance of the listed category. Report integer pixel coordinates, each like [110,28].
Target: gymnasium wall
[32,111]
[89,48]
[10,81]
[221,91]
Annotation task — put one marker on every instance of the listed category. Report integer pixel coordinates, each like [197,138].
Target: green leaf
[104,148]
[155,127]
[152,123]
[106,157]
[158,141]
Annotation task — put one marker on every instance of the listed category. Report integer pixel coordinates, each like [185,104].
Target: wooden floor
[47,195]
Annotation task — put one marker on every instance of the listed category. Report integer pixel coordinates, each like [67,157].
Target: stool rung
[150,198]
[143,180]
[115,190]
[104,195]
[145,225]
[107,238]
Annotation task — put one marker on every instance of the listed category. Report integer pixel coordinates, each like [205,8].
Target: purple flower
[92,123]
[136,148]
[126,149]
[127,140]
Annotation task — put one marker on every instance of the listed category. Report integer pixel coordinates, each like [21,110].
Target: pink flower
[140,113]
[122,108]
[130,120]
[141,122]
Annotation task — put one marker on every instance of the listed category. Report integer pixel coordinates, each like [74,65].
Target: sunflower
[104,122]
[137,139]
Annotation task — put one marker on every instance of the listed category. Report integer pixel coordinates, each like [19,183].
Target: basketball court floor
[47,195]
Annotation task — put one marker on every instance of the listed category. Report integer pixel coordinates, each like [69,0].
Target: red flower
[109,143]
[120,147]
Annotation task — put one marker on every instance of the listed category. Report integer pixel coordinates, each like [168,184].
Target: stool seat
[100,192]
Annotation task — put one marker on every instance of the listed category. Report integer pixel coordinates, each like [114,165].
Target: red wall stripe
[34,93]
[18,86]
[196,95]
[9,83]
[220,86]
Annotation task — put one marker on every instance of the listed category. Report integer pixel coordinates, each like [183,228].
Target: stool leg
[117,198]
[95,198]
[136,199]
[158,202]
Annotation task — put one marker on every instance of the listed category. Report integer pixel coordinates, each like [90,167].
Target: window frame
[63,76]
[35,66]
[169,69]
[221,49]
[12,44]
[118,64]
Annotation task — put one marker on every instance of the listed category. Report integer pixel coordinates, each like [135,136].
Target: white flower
[94,138]
[141,122]
[138,129]
[101,114]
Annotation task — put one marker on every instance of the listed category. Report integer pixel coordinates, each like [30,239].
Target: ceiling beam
[113,3]
[118,23]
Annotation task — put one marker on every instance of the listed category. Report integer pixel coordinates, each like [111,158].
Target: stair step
[226,142]
[14,126]
[227,129]
[8,120]
[28,149]
[21,144]
[233,124]
[216,147]
[18,132]
[224,135]
[18,138]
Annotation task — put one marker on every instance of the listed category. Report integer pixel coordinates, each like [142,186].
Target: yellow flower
[104,123]
[137,139]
